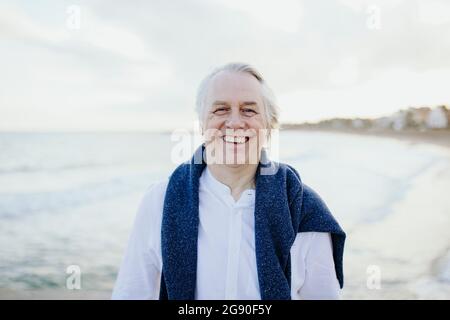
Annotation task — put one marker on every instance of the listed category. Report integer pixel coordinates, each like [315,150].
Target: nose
[234,120]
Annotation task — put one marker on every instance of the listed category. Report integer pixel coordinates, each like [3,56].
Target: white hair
[271,110]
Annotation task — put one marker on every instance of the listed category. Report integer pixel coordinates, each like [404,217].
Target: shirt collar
[223,191]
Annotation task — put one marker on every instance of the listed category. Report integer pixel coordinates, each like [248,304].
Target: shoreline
[412,262]
[435,137]
[413,253]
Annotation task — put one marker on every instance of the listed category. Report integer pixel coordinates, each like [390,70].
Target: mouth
[235,139]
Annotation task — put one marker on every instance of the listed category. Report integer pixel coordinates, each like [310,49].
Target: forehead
[233,86]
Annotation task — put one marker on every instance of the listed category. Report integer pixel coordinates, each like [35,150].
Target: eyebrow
[248,103]
[245,103]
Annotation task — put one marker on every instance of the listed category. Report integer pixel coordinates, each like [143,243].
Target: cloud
[149,57]
[53,70]
[433,12]
[387,91]
[283,15]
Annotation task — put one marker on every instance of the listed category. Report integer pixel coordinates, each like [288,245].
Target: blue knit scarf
[284,206]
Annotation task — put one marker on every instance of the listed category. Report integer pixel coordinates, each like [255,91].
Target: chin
[235,165]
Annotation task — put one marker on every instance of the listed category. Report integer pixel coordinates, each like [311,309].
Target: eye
[220,111]
[248,111]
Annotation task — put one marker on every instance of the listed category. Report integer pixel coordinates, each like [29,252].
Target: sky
[136,65]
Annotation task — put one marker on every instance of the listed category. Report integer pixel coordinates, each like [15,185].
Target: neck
[237,178]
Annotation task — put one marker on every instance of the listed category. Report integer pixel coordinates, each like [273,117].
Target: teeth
[234,139]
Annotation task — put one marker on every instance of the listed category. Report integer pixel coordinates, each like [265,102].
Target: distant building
[361,123]
[383,123]
[399,120]
[419,117]
[337,124]
[358,124]
[437,118]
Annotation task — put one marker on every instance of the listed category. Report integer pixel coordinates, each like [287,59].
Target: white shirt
[226,260]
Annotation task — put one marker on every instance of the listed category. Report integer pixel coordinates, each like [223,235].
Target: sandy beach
[411,247]
[436,137]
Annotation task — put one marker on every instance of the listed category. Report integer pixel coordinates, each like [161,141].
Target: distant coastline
[424,124]
[440,137]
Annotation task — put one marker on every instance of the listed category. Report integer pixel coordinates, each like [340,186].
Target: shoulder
[282,177]
[312,201]
[153,197]
[301,194]
[149,214]
[156,190]
[282,169]
[292,176]
[315,214]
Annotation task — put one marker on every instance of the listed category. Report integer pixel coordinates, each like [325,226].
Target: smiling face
[234,120]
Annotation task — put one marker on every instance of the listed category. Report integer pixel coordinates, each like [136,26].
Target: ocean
[69,199]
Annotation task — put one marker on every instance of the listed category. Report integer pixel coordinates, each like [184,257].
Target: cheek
[256,122]
[213,122]
[212,128]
